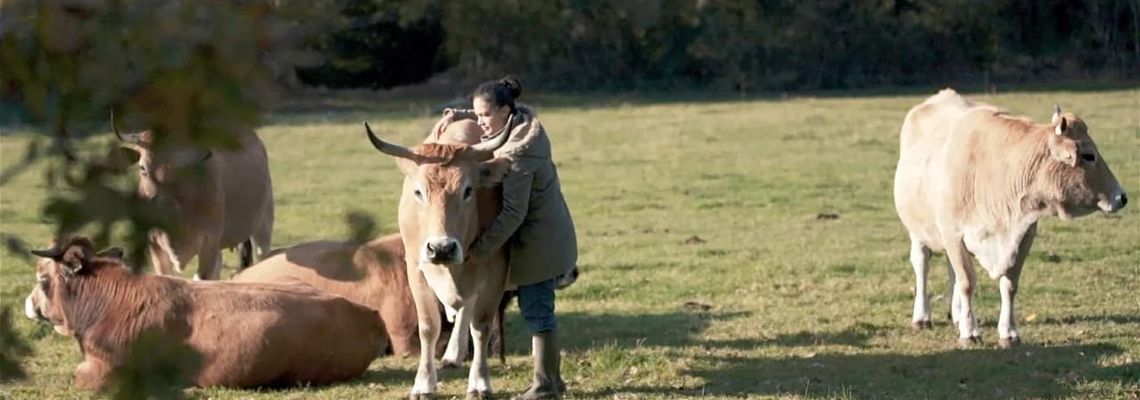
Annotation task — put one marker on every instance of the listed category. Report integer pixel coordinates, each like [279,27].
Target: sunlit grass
[728,248]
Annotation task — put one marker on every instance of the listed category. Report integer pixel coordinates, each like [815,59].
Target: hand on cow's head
[477,152]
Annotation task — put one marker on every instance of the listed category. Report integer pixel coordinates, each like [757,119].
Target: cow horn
[130,138]
[49,253]
[391,149]
[1056,112]
[485,149]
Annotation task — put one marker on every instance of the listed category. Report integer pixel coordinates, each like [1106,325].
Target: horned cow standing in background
[222,198]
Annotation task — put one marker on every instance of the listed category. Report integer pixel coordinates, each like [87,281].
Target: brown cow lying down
[247,334]
[372,274]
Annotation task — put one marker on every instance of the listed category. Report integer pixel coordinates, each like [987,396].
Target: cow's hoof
[479,396]
[920,325]
[969,342]
[421,396]
[1009,342]
[449,364]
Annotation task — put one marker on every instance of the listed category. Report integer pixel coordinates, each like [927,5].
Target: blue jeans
[537,305]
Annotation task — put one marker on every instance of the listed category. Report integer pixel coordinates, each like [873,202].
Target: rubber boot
[547,382]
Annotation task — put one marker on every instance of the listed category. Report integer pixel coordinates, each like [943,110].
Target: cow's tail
[245,250]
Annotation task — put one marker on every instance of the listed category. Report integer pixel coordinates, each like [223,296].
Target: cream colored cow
[973,181]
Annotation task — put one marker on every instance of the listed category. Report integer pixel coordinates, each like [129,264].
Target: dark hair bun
[513,85]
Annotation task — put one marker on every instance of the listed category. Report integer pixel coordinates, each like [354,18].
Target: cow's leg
[162,255]
[951,294]
[482,320]
[920,260]
[963,264]
[245,254]
[91,374]
[457,344]
[427,313]
[262,239]
[1007,322]
[209,261]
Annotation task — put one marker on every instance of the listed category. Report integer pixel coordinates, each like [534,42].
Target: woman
[534,223]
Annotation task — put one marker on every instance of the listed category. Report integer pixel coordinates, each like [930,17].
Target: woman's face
[490,118]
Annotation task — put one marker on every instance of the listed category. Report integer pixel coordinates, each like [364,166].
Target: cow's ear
[491,172]
[74,260]
[113,252]
[1064,150]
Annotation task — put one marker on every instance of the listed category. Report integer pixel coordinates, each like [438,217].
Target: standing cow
[222,198]
[973,181]
[442,209]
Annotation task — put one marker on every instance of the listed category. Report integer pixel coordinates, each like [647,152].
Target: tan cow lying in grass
[247,334]
[372,274]
[973,180]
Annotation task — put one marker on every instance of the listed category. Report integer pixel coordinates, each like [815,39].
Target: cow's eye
[418,194]
[468,192]
[1089,157]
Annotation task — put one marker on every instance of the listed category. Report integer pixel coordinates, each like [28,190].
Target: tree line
[737,44]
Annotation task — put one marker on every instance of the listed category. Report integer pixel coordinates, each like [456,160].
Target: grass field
[729,248]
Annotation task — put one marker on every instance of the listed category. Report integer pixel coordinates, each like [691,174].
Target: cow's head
[159,170]
[55,269]
[438,207]
[1078,180]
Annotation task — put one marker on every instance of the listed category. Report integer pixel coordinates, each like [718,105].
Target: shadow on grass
[853,336]
[587,331]
[677,329]
[1072,319]
[389,376]
[1026,372]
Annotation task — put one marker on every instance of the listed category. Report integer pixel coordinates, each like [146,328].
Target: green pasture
[730,248]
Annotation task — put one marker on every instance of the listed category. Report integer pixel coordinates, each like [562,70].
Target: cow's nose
[442,251]
[1122,198]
